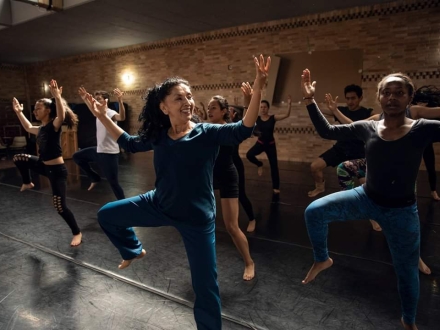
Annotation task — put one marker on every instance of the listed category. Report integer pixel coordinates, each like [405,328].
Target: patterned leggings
[350,169]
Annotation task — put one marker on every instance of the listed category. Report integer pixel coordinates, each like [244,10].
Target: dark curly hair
[429,94]
[152,118]
[71,119]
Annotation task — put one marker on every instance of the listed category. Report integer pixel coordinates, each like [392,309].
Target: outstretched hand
[262,71]
[119,94]
[82,92]
[17,106]
[307,87]
[54,89]
[332,105]
[247,93]
[97,109]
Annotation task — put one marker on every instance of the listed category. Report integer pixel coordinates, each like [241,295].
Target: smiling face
[394,96]
[178,104]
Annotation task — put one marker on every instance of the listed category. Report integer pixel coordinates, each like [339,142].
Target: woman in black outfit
[236,113]
[266,142]
[227,181]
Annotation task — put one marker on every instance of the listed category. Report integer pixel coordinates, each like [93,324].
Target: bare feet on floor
[435,196]
[126,263]
[249,272]
[423,268]
[76,240]
[26,186]
[375,225]
[260,170]
[408,326]
[251,226]
[316,269]
[92,185]
[319,188]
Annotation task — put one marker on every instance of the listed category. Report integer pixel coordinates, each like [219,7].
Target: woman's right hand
[307,87]
[82,92]
[247,93]
[262,72]
[97,109]
[17,106]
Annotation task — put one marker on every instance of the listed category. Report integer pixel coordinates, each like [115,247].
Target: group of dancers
[394,146]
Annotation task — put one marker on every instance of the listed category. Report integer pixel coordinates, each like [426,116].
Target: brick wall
[400,36]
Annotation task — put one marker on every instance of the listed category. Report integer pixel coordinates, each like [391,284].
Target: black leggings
[429,159]
[271,151]
[57,175]
[242,197]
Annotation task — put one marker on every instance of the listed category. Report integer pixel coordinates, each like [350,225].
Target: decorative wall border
[274,26]
[435,74]
[295,130]
[11,67]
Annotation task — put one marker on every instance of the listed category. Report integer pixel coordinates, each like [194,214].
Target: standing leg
[230,217]
[109,163]
[402,230]
[200,248]
[57,175]
[83,158]
[242,197]
[271,152]
[429,160]
[255,151]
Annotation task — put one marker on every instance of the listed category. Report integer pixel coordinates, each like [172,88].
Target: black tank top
[224,161]
[48,141]
[266,128]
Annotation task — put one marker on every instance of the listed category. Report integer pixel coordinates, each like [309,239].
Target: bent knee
[318,165]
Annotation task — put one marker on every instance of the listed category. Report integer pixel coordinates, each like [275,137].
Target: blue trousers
[401,228]
[117,219]
[108,164]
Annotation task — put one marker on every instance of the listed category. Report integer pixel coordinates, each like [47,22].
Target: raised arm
[332,106]
[83,94]
[418,111]
[324,129]
[289,108]
[61,111]
[18,109]
[262,72]
[127,142]
[121,115]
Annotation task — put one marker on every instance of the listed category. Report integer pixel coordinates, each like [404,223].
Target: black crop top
[265,129]
[392,165]
[224,161]
[48,141]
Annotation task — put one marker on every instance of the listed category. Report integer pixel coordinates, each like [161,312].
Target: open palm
[307,86]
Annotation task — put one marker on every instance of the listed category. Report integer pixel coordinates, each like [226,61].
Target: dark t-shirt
[392,165]
[48,141]
[354,147]
[265,129]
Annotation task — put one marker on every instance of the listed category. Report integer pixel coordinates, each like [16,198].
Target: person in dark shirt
[341,150]
[394,148]
[236,113]
[179,199]
[50,162]
[226,180]
[266,141]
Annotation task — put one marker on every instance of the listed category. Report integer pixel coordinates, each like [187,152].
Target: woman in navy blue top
[394,148]
[180,199]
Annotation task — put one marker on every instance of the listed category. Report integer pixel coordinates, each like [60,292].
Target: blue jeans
[401,228]
[108,164]
[117,219]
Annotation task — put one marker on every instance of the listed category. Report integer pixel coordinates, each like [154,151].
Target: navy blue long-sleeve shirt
[184,168]
[392,165]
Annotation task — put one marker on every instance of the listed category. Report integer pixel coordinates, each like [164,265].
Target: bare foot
[408,326]
[26,186]
[249,272]
[92,185]
[319,188]
[126,263]
[435,196]
[251,226]
[260,170]
[276,191]
[375,225]
[423,268]
[316,269]
[76,240]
